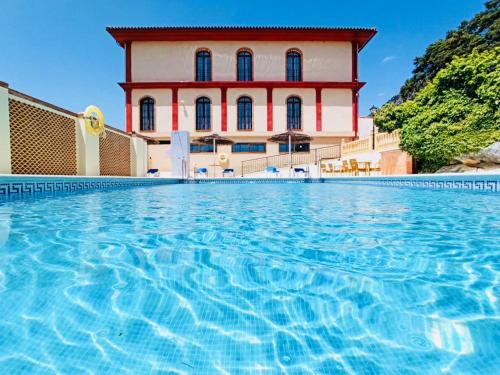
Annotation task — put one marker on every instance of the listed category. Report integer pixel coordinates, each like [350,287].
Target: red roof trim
[241,84]
[129,34]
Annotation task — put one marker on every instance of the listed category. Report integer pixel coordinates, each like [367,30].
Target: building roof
[243,33]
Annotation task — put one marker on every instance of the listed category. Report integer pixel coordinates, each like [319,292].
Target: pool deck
[33,184]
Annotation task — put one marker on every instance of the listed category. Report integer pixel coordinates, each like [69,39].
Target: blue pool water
[251,279]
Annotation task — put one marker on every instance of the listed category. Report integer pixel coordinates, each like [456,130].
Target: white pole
[290,152]
[215,156]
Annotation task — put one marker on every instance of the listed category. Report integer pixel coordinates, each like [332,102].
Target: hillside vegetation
[450,106]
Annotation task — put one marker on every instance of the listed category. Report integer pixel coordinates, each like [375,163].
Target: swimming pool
[251,279]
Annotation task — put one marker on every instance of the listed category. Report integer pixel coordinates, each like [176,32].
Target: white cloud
[387,59]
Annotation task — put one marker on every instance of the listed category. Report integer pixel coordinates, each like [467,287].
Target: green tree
[456,113]
[480,33]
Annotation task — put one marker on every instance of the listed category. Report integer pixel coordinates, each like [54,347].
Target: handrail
[283,160]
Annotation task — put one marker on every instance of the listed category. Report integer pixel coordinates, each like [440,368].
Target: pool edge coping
[32,184]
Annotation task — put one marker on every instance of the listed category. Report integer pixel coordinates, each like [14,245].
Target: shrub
[458,112]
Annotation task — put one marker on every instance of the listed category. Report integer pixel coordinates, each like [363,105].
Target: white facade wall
[259,111]
[175,61]
[163,110]
[337,111]
[187,109]
[366,127]
[308,97]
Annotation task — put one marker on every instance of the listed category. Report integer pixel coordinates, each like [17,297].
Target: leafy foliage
[480,33]
[457,113]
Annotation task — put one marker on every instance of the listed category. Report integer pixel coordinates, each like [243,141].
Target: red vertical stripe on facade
[128,93]
[128,62]
[319,120]
[128,111]
[223,102]
[355,113]
[269,109]
[175,110]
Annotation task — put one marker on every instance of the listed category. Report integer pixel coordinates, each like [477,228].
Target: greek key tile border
[27,185]
[488,184]
[20,187]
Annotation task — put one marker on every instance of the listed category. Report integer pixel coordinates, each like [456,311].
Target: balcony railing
[383,142]
[387,141]
[283,160]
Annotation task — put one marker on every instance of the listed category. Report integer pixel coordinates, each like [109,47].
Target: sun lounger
[201,172]
[228,171]
[272,170]
[302,171]
[153,172]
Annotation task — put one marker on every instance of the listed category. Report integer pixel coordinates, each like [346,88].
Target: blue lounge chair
[272,170]
[303,171]
[153,172]
[202,172]
[228,171]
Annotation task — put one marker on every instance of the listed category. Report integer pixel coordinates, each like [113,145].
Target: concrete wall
[5,159]
[139,153]
[87,151]
[175,61]
[396,162]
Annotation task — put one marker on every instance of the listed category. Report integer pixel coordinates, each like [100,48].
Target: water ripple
[251,279]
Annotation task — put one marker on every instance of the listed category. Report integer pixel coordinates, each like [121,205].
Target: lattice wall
[42,142]
[114,154]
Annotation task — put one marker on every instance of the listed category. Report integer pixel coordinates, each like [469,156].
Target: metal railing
[283,160]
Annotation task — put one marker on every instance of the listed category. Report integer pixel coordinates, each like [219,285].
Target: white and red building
[244,83]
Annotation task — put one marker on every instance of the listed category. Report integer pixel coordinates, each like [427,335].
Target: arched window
[293,112]
[245,113]
[244,66]
[203,113]
[147,114]
[293,65]
[203,66]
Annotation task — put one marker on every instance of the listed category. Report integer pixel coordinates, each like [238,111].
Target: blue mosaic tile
[10,186]
[29,185]
[487,183]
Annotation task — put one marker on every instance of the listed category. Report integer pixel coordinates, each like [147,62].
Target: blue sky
[59,51]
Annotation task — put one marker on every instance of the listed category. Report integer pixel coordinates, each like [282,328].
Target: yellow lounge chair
[336,168]
[375,168]
[328,169]
[345,167]
[356,168]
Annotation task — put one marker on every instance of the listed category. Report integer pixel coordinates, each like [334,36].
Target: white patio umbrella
[214,139]
[291,137]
